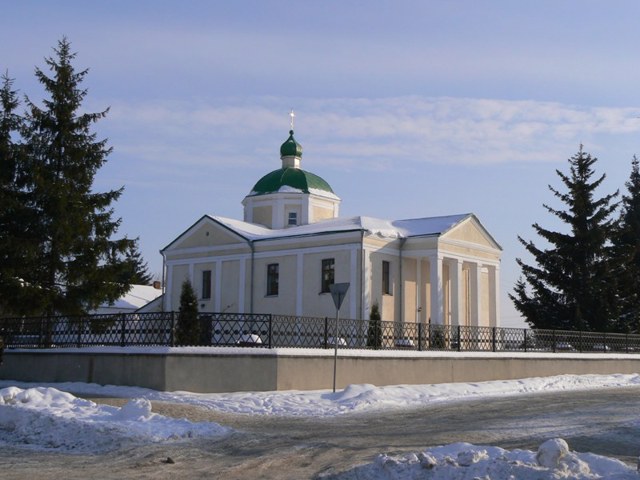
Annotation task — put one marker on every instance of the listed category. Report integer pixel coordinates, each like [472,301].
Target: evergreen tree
[9,125]
[188,327]
[627,244]
[79,265]
[573,286]
[138,270]
[374,332]
[17,249]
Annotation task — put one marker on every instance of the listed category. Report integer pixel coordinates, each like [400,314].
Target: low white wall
[226,370]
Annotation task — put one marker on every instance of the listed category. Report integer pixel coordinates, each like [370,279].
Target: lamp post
[338,292]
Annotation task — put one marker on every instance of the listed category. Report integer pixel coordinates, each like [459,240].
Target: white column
[494,296]
[455,269]
[418,287]
[217,300]
[277,214]
[299,283]
[242,285]
[475,293]
[353,294]
[437,293]
[168,291]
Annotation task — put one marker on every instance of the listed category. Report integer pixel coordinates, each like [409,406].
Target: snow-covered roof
[138,296]
[430,226]
[414,227]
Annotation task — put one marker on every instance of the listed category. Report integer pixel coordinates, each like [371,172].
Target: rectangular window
[328,270]
[206,284]
[293,218]
[273,274]
[386,278]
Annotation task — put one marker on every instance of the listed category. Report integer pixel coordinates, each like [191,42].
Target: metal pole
[335,350]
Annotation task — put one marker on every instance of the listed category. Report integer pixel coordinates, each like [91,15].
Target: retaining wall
[226,370]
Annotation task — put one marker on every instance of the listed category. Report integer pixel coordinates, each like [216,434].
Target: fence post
[172,330]
[459,339]
[553,339]
[419,337]
[580,341]
[79,326]
[123,324]
[626,342]
[525,340]
[270,330]
[326,331]
[493,339]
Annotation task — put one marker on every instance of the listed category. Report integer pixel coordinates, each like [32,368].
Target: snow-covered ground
[51,417]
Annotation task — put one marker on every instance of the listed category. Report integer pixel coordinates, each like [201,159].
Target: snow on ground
[463,461]
[49,417]
[355,398]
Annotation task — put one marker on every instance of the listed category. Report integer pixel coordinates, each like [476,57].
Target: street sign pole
[338,292]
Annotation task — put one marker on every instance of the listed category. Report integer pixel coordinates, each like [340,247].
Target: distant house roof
[137,297]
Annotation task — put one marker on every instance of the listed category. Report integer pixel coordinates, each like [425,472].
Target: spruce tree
[17,248]
[138,270]
[9,125]
[80,265]
[573,284]
[188,327]
[627,243]
[374,332]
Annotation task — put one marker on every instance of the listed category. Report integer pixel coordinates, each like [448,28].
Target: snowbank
[463,461]
[46,418]
[353,399]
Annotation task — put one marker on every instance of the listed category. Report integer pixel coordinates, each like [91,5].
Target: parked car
[564,347]
[341,342]
[249,340]
[404,343]
[601,347]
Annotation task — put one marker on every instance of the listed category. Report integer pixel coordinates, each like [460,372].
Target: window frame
[292,216]
[205,292]
[328,274]
[386,278]
[273,279]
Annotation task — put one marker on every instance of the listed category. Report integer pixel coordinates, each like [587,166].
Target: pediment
[471,231]
[206,232]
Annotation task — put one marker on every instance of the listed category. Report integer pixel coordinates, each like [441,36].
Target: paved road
[605,422]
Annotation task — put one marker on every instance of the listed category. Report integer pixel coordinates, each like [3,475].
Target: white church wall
[284,303]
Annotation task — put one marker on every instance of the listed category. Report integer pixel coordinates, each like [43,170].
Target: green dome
[293,178]
[291,148]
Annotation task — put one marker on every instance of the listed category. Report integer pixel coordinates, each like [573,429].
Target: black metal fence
[271,331]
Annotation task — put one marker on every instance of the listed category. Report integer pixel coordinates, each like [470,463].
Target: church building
[292,245]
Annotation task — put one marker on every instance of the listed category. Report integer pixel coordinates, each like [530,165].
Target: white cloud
[364,132]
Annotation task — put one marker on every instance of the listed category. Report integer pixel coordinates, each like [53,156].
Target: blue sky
[407,108]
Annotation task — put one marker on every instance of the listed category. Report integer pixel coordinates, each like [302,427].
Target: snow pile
[50,419]
[361,398]
[463,461]
[358,398]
